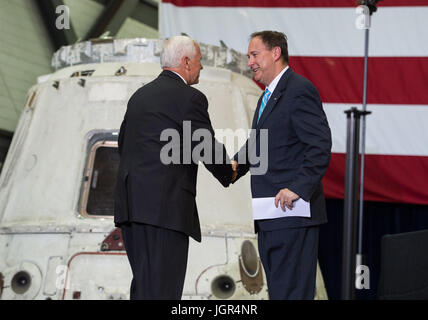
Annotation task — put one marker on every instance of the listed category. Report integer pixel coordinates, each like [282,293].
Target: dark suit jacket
[148,191]
[299,148]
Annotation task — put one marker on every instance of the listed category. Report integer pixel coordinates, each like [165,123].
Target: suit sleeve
[310,124]
[217,161]
[243,163]
[121,135]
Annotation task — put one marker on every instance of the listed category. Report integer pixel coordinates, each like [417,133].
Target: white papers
[264,208]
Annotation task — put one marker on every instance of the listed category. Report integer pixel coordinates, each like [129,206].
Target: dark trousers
[158,259]
[289,257]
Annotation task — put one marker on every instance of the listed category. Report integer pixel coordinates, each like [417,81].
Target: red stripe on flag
[290,3]
[387,178]
[391,80]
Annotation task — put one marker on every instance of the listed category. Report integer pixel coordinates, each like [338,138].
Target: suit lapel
[256,113]
[278,92]
[269,107]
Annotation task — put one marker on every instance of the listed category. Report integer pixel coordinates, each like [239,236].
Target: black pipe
[350,219]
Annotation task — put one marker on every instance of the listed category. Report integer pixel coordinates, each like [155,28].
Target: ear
[186,63]
[276,53]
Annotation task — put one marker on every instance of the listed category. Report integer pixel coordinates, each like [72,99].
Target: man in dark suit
[155,193]
[298,154]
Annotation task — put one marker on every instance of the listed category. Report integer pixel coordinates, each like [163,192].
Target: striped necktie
[264,102]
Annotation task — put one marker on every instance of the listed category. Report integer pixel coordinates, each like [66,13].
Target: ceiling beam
[59,35]
[112,18]
[147,13]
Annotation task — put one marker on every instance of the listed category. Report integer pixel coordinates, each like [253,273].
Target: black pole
[350,219]
[360,257]
[371,5]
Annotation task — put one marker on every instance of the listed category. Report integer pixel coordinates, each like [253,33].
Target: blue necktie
[264,102]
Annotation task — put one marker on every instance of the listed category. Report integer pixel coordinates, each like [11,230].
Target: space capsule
[57,236]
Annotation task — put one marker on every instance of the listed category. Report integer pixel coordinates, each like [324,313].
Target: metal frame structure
[59,37]
[110,20]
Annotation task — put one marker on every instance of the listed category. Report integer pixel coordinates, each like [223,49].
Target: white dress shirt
[275,81]
[179,76]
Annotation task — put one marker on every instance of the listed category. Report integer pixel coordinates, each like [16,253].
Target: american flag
[327,47]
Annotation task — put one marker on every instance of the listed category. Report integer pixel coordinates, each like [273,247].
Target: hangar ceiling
[29,38]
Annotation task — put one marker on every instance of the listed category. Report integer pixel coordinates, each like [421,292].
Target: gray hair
[174,49]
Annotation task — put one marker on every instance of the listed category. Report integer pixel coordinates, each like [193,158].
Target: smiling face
[264,62]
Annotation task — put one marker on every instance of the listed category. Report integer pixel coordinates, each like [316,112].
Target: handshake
[235,170]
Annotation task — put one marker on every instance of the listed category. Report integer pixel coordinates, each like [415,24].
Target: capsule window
[99,178]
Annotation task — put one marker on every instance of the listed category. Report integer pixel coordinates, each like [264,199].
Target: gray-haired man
[155,202]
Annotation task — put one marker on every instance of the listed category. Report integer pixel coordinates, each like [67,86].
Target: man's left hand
[235,170]
[285,198]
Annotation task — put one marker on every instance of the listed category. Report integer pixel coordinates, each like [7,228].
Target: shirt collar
[179,76]
[275,81]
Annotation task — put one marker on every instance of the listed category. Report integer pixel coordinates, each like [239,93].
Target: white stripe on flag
[396,31]
[391,129]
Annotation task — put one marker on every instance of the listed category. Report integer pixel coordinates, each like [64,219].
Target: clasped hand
[285,198]
[235,170]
